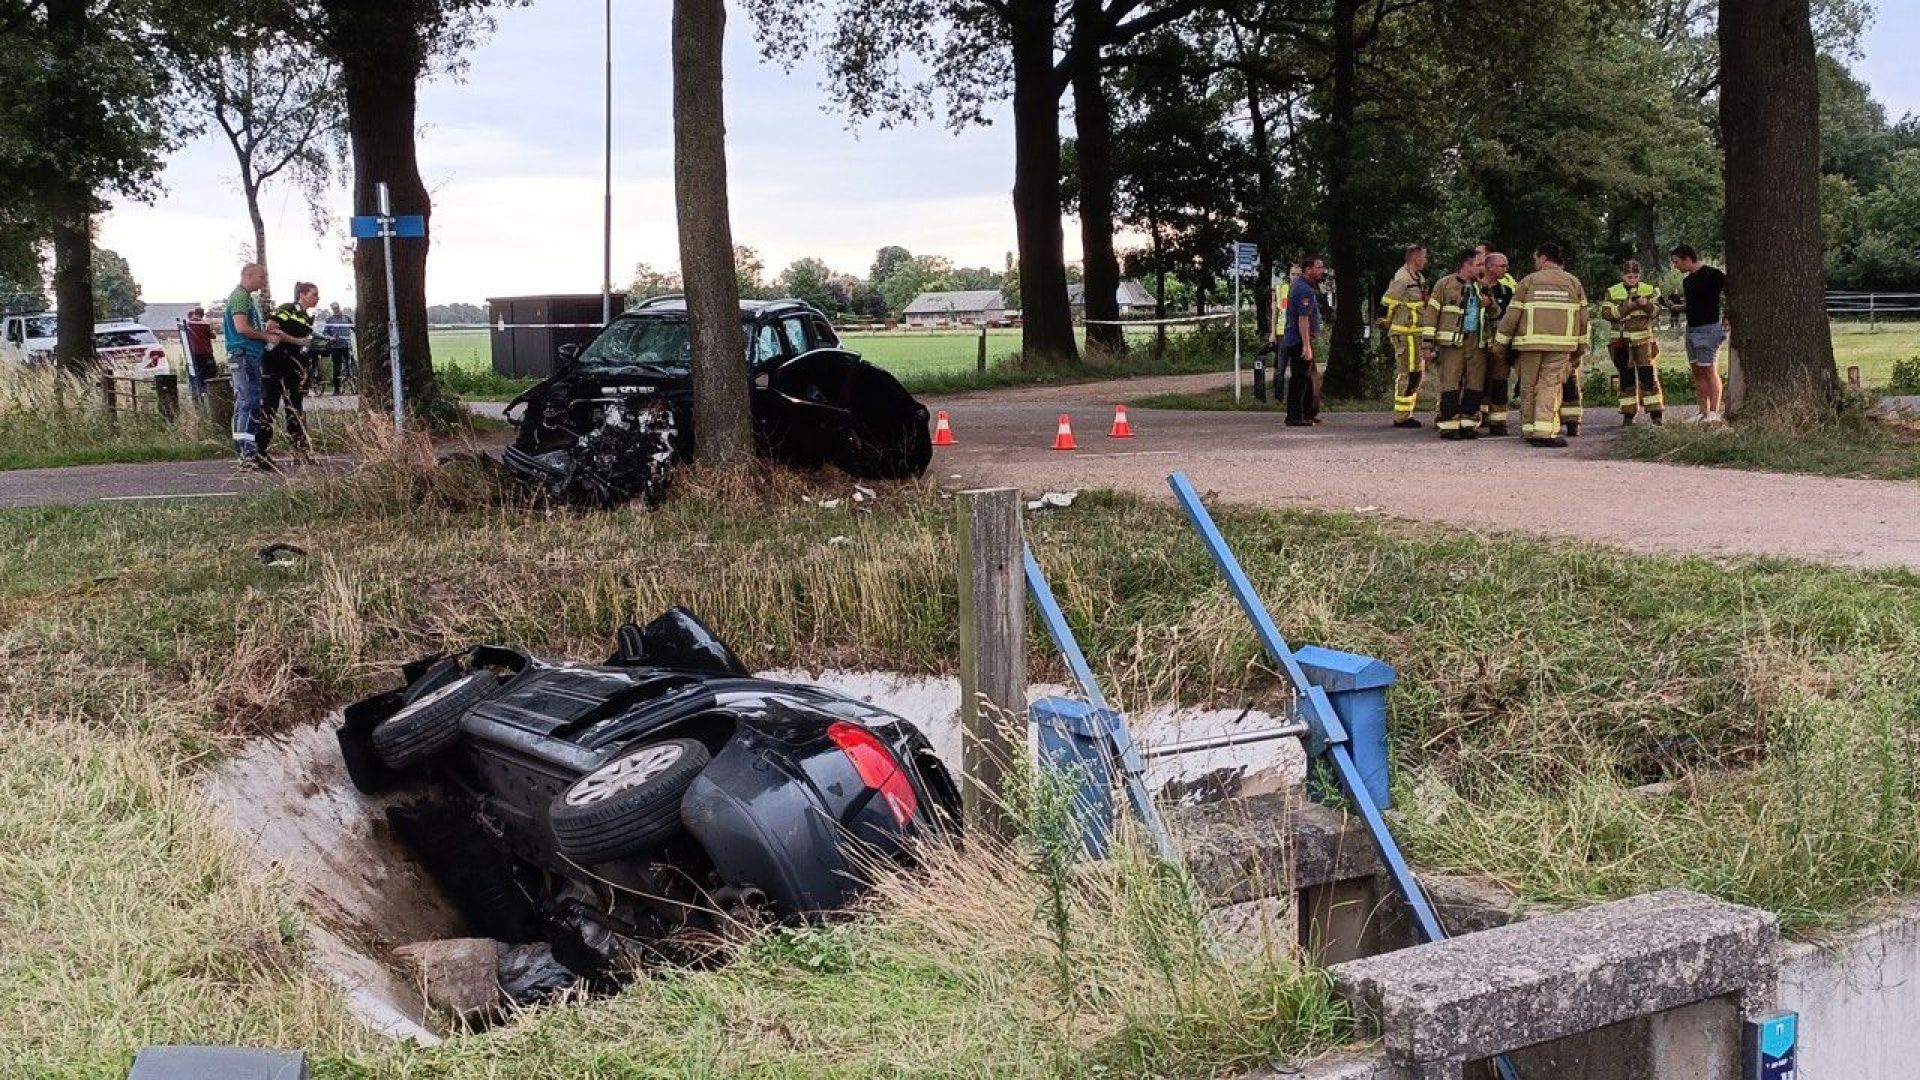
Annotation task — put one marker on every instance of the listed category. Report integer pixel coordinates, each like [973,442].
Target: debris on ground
[838,541]
[1054,500]
[529,974]
[280,554]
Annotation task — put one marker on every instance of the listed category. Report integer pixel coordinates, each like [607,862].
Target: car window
[120,339]
[45,326]
[795,327]
[768,343]
[823,334]
[652,345]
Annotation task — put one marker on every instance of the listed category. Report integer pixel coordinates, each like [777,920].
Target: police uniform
[1458,321]
[1544,329]
[284,378]
[1406,295]
[1635,353]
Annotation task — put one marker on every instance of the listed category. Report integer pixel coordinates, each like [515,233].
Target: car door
[809,390]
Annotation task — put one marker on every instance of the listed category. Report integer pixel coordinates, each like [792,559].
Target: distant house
[1134,299]
[164,319]
[970,307]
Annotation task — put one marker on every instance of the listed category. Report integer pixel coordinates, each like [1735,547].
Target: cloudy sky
[512,155]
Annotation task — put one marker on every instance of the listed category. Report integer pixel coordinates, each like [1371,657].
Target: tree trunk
[252,192]
[722,422]
[70,204]
[381,60]
[1346,366]
[1046,320]
[1093,146]
[1776,267]
[1260,224]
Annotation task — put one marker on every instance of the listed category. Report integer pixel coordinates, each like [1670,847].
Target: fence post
[993,654]
[980,361]
[166,395]
[107,397]
[1871,320]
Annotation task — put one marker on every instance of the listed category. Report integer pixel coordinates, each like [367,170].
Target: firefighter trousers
[1407,370]
[1572,409]
[1639,378]
[1493,407]
[1543,375]
[1463,377]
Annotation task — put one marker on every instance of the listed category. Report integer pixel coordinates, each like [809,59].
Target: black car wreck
[626,811]
[614,418]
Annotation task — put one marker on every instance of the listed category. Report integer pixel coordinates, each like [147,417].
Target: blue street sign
[367,226]
[1246,259]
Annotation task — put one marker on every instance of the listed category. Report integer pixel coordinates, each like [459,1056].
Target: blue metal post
[1319,715]
[1132,767]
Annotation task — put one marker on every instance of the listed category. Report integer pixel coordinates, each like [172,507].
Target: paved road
[1356,461]
[1353,462]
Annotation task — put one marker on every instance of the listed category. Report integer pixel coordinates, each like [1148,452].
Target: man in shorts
[1705,290]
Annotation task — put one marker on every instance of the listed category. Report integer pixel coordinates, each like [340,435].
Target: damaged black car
[612,421]
[623,811]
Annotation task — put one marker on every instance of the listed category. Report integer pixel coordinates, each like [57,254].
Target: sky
[511,153]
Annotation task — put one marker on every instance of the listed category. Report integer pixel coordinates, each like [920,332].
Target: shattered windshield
[656,346]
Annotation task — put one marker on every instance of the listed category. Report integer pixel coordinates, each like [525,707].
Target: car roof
[748,308]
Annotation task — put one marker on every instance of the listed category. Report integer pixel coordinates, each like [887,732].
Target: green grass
[1857,446]
[1541,684]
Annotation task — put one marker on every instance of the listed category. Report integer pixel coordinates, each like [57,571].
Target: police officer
[1456,323]
[1545,330]
[1631,306]
[284,371]
[1406,295]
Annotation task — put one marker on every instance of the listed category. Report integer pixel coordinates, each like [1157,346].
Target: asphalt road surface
[1353,462]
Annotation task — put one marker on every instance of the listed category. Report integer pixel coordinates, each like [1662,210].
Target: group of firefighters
[1489,338]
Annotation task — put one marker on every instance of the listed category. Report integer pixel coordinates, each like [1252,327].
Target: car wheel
[628,805]
[430,723]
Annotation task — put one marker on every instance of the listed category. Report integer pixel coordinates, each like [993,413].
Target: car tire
[429,724]
[628,805]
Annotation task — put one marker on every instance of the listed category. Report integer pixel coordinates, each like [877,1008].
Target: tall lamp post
[606,216]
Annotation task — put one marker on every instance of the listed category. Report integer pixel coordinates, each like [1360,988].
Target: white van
[125,346]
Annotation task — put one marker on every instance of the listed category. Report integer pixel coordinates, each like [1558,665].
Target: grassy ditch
[1544,686]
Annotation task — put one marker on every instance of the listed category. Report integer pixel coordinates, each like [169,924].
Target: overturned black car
[620,810]
[614,418]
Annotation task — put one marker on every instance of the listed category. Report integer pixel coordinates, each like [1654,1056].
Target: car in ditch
[622,810]
[614,418]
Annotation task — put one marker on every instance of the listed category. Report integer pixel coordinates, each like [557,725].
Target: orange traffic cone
[1063,436]
[942,430]
[1121,429]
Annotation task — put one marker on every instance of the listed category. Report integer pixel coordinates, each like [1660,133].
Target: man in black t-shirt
[1704,289]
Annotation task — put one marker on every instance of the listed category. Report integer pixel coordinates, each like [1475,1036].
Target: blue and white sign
[405,226]
[1773,1047]
[1246,259]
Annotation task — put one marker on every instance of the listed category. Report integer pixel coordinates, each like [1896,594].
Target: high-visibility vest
[1636,326]
[1548,313]
[1405,296]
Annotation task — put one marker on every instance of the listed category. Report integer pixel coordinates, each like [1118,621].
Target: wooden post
[980,361]
[166,395]
[993,655]
[107,397]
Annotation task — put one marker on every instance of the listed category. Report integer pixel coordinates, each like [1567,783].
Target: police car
[125,347]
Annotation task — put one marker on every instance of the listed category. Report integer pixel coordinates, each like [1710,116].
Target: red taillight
[156,354]
[877,768]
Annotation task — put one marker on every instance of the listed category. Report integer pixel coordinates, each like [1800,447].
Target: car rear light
[877,768]
[156,354]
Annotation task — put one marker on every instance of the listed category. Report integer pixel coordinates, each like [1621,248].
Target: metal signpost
[385,225]
[1246,260]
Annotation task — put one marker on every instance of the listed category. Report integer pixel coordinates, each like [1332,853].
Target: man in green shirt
[247,339]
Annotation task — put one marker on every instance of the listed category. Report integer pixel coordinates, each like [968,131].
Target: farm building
[1134,299]
[970,307]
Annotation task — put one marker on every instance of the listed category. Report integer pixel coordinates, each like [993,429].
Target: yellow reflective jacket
[1548,314]
[1405,295]
[1631,312]
[1442,319]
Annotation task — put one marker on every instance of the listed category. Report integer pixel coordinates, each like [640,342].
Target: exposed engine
[626,452]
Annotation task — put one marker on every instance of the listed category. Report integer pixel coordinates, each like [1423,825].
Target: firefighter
[1631,306]
[1457,323]
[1406,295]
[1543,331]
[284,371]
[1493,405]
